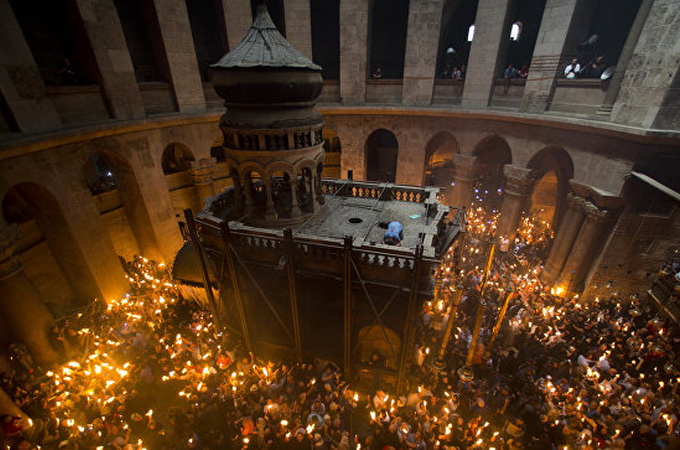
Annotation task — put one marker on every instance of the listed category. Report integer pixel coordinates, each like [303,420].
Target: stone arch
[177,157]
[552,167]
[217,150]
[63,273]
[382,151]
[333,153]
[439,153]
[457,16]
[381,340]
[136,216]
[492,152]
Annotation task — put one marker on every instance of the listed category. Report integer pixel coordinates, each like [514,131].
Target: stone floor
[361,218]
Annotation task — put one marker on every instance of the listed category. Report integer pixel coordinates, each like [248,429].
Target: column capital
[9,236]
[594,213]
[464,166]
[575,201]
[519,180]
[201,171]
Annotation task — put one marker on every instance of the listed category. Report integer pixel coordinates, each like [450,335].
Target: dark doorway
[382,150]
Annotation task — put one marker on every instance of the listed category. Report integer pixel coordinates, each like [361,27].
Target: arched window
[471,33]
[515,31]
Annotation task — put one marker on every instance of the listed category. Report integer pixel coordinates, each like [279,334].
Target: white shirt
[571,70]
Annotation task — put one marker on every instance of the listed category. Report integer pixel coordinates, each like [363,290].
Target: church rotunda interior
[560,196]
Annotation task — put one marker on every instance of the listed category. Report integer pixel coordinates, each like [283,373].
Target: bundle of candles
[152,371]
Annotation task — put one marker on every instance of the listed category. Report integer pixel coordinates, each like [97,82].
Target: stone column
[569,228]
[565,23]
[420,59]
[21,84]
[353,50]
[487,55]
[519,184]
[238,16]
[201,175]
[464,168]
[624,58]
[295,206]
[650,86]
[178,43]
[21,309]
[585,248]
[299,25]
[103,28]
[269,210]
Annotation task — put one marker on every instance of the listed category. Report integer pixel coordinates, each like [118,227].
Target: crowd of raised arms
[153,371]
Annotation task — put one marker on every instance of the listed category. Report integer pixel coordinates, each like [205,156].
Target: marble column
[295,211]
[487,54]
[519,184]
[564,24]
[420,58]
[238,16]
[586,246]
[202,177]
[103,28]
[23,312]
[178,42]
[354,30]
[269,210]
[569,228]
[460,192]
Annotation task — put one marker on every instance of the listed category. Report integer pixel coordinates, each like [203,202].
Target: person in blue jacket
[394,234]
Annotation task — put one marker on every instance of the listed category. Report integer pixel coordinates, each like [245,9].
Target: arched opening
[553,168]
[326,37]
[143,38]
[305,189]
[333,148]
[523,33]
[609,30]
[58,41]
[177,157]
[254,185]
[439,160]
[209,32]
[454,43]
[544,198]
[121,205]
[389,22]
[280,185]
[492,154]
[382,150]
[46,246]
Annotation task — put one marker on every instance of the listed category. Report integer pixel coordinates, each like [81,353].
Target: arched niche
[124,209]
[439,153]
[454,47]
[553,168]
[333,148]
[492,153]
[525,26]
[280,183]
[177,157]
[217,150]
[58,269]
[389,23]
[382,151]
[305,188]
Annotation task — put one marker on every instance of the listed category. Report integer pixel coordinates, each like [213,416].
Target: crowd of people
[154,371]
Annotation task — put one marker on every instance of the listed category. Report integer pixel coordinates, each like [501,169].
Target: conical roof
[264,46]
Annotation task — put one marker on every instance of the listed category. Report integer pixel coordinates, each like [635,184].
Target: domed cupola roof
[264,46]
[266,82]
